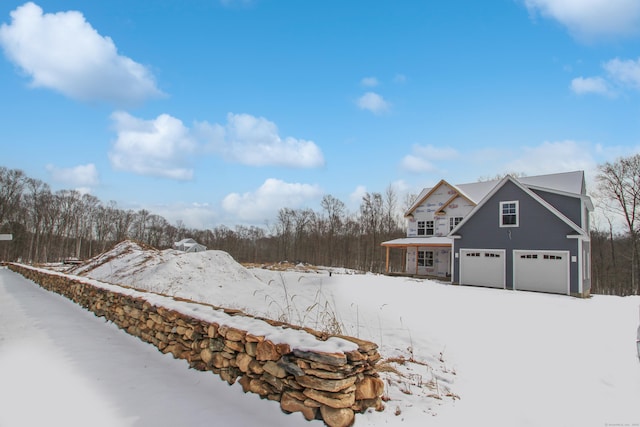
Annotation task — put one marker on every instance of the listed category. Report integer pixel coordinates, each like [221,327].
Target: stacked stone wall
[330,386]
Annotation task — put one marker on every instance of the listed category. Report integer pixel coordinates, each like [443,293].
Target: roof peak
[570,182]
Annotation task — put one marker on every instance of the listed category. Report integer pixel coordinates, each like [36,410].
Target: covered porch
[422,256]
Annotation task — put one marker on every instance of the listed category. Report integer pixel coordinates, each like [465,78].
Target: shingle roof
[564,182]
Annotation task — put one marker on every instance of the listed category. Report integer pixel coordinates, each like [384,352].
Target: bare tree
[11,185]
[620,183]
[391,215]
[37,202]
[335,210]
[140,225]
[123,224]
[371,214]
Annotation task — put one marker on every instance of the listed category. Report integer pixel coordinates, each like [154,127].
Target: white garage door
[482,267]
[544,271]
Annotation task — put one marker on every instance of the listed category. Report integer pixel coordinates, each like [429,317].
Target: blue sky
[224,111]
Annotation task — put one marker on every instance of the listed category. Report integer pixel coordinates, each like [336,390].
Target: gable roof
[579,231]
[565,183]
[186,241]
[427,192]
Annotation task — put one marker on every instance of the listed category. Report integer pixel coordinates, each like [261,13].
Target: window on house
[425,258]
[509,214]
[430,229]
[453,221]
[425,228]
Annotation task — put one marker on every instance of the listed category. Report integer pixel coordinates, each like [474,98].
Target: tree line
[52,226]
[615,249]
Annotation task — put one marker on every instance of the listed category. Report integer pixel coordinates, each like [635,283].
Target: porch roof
[418,242]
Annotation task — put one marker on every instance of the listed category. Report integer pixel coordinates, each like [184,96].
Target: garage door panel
[544,271]
[482,267]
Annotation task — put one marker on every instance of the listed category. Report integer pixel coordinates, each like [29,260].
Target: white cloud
[81,177]
[63,52]
[425,158]
[400,186]
[587,85]
[255,141]
[621,74]
[268,199]
[625,72]
[373,102]
[356,196]
[589,19]
[553,157]
[413,163]
[165,147]
[369,82]
[193,215]
[158,147]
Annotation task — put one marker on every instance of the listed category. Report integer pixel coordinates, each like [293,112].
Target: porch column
[404,260]
[387,266]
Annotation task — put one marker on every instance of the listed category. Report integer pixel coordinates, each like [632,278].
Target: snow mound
[199,276]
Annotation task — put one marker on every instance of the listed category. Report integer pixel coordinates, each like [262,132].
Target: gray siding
[538,229]
[571,207]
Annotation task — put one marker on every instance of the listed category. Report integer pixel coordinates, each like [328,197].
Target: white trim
[580,269]
[452,265]
[533,195]
[579,237]
[501,213]
[419,241]
[567,255]
[453,217]
[553,190]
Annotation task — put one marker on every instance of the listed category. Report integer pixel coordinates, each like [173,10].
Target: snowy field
[456,355]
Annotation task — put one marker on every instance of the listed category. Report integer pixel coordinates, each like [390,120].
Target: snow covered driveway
[61,365]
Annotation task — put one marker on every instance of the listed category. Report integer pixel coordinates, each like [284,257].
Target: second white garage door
[544,271]
[482,267]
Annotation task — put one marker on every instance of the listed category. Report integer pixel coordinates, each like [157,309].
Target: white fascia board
[531,194]
[478,206]
[583,237]
[588,202]
[553,210]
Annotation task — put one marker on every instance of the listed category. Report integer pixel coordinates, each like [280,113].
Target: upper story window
[453,221]
[425,228]
[509,214]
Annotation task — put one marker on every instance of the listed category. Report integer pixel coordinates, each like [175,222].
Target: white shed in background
[189,245]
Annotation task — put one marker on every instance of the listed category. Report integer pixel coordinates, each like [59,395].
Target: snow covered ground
[62,366]
[467,356]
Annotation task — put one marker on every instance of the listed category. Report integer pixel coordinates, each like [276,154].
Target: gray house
[529,233]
